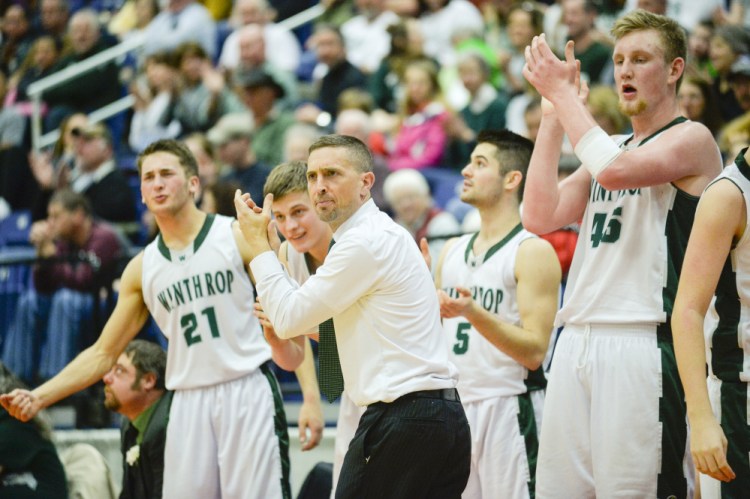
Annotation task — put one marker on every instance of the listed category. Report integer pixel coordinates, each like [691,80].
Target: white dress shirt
[376,286]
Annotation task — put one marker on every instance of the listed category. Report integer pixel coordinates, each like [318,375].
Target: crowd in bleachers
[415,79]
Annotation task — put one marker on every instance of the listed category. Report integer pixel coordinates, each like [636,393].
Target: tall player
[718,260]
[614,420]
[498,292]
[227,430]
[307,240]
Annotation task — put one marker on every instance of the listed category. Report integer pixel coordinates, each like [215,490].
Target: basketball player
[498,292]
[614,419]
[718,261]
[227,430]
[307,239]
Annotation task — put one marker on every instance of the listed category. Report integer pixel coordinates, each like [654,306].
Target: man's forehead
[290,201]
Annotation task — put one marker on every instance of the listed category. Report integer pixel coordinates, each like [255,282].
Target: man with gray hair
[134,387]
[90,90]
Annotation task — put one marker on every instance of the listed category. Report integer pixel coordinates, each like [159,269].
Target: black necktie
[330,379]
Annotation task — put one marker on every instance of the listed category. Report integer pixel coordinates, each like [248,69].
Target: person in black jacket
[134,387]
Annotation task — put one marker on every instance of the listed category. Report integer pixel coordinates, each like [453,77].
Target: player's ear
[676,69]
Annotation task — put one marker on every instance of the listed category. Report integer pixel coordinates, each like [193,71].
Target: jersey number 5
[606,231]
[462,336]
[189,323]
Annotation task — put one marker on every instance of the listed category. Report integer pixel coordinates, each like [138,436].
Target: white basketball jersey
[202,299]
[630,246]
[730,339]
[296,265]
[485,371]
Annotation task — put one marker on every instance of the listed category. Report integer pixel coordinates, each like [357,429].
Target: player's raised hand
[21,404]
[551,76]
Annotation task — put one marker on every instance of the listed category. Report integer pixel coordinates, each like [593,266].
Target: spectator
[155,94]
[17,38]
[525,21]
[339,74]
[281,48]
[421,138]
[385,84]
[252,57]
[88,91]
[203,151]
[204,96]
[441,20]
[699,46]
[134,388]
[736,134]
[485,110]
[98,177]
[596,57]
[30,465]
[297,140]
[697,103]
[51,169]
[261,92]
[727,45]
[366,35]
[179,22]
[134,17]
[53,18]
[40,62]
[408,193]
[53,321]
[12,124]
[219,198]
[232,136]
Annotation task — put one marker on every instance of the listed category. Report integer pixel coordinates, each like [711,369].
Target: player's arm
[89,366]
[549,205]
[538,277]
[310,414]
[719,220]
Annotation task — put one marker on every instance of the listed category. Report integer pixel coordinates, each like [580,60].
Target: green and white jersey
[729,341]
[485,371]
[202,299]
[631,245]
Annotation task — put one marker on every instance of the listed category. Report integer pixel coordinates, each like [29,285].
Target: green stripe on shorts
[672,413]
[280,427]
[527,427]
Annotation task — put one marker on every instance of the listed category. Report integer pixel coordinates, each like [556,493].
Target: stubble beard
[631,109]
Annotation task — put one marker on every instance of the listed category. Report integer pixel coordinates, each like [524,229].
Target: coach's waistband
[444,394]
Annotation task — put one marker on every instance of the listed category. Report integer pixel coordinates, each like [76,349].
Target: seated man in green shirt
[135,388]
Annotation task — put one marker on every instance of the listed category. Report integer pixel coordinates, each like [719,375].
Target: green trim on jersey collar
[676,121]
[207,223]
[495,248]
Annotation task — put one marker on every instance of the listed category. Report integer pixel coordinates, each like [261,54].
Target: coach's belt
[445,394]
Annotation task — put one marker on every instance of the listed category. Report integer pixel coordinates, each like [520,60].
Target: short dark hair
[513,152]
[147,357]
[361,157]
[286,178]
[177,149]
[71,201]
